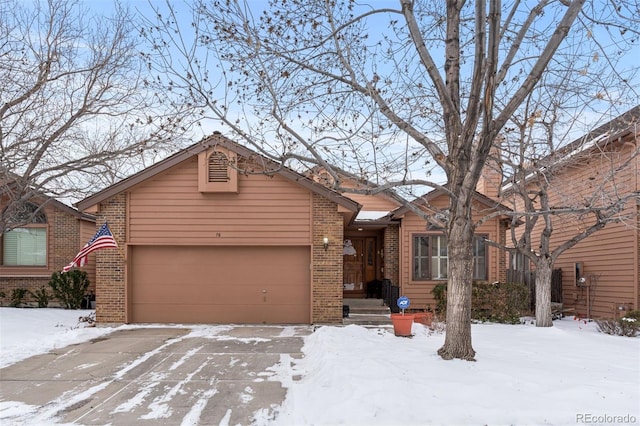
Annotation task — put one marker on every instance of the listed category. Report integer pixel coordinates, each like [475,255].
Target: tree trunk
[457,343]
[543,292]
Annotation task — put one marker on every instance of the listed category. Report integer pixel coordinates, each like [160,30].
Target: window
[479,259]
[430,258]
[25,247]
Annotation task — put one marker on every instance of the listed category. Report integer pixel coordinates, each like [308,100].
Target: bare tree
[73,106]
[600,193]
[380,90]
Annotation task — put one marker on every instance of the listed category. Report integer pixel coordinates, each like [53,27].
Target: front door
[360,265]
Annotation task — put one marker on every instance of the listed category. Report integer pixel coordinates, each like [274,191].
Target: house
[32,252]
[219,234]
[601,274]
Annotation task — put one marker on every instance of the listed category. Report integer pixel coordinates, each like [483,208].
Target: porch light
[325,242]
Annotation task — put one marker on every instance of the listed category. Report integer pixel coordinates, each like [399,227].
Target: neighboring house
[609,260]
[219,234]
[30,253]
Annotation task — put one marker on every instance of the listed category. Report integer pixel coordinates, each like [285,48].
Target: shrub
[17,294]
[41,296]
[69,287]
[440,293]
[628,325]
[496,302]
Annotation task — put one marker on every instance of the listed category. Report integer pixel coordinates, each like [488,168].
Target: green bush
[440,293]
[628,325]
[495,302]
[69,287]
[17,294]
[41,296]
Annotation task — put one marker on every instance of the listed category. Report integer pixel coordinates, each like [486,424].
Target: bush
[41,296]
[495,302]
[17,294]
[440,293]
[70,287]
[628,325]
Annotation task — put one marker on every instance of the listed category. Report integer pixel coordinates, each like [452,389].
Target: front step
[367,312]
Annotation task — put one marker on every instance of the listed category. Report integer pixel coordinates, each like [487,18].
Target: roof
[387,193]
[438,192]
[611,131]
[216,139]
[624,124]
[41,198]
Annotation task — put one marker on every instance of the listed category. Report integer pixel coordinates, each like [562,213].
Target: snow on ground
[565,375]
[25,332]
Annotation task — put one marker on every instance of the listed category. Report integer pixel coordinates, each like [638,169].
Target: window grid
[430,257]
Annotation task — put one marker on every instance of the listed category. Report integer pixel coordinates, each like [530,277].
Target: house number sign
[403,302]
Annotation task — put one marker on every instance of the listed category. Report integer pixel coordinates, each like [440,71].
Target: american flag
[102,239]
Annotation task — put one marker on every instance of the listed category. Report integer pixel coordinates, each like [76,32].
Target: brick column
[326,285]
[502,254]
[110,263]
[392,253]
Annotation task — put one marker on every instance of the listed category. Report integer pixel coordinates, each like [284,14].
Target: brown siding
[87,231]
[265,211]
[637,265]
[609,256]
[378,202]
[419,292]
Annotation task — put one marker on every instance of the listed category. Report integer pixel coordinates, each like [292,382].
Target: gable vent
[218,168]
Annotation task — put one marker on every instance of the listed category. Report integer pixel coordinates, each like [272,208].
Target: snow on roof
[372,215]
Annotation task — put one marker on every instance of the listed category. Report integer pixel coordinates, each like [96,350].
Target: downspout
[128,315]
[496,261]
[637,234]
[401,261]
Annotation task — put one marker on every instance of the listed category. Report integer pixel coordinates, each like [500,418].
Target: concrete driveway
[209,375]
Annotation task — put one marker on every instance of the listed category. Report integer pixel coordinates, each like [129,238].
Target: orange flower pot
[402,324]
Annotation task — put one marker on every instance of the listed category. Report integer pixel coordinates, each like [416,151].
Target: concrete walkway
[168,376]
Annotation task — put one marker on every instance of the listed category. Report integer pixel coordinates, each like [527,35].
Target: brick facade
[326,281]
[63,243]
[392,254]
[110,263]
[502,260]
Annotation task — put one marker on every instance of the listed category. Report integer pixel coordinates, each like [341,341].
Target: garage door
[242,285]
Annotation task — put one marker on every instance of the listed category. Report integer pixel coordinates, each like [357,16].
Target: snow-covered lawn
[565,375]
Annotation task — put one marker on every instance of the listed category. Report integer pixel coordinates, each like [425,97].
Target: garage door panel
[220,284]
[218,296]
[221,314]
